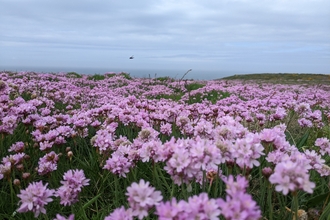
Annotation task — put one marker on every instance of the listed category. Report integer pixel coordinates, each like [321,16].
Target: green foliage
[96,77]
[193,86]
[173,96]
[283,78]
[165,79]
[212,96]
[109,75]
[26,96]
[125,75]
[73,75]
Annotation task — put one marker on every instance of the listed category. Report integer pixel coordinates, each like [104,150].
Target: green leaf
[326,213]
[303,140]
[81,212]
[317,200]
[90,202]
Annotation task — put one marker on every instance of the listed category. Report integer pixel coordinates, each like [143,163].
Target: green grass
[96,77]
[284,78]
[73,75]
[193,86]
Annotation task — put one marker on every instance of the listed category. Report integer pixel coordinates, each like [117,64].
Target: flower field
[114,147]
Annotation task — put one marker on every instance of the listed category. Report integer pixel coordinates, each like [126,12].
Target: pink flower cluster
[72,185]
[48,163]
[36,195]
[197,207]
[141,198]
[290,176]
[34,198]
[238,204]
[241,129]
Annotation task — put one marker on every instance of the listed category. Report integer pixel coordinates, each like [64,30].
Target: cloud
[215,33]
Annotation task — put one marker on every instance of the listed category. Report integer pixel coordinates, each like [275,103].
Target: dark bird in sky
[131,57]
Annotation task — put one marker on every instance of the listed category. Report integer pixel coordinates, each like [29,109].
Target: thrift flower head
[34,198]
[247,151]
[324,145]
[48,163]
[291,176]
[60,217]
[120,213]
[166,128]
[14,159]
[17,147]
[73,182]
[197,207]
[238,204]
[233,187]
[5,170]
[118,164]
[201,207]
[142,197]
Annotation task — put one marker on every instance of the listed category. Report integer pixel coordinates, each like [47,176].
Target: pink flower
[303,108]
[201,207]
[9,124]
[60,217]
[179,160]
[48,163]
[197,207]
[203,129]
[73,182]
[279,114]
[17,147]
[247,151]
[268,135]
[238,204]
[148,150]
[168,210]
[166,128]
[34,198]
[148,134]
[120,213]
[324,145]
[5,170]
[233,187]
[45,145]
[303,122]
[14,159]
[291,176]
[142,197]
[118,164]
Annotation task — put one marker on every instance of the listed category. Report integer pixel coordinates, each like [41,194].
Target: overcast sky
[240,36]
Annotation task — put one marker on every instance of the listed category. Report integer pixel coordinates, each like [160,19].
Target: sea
[138,73]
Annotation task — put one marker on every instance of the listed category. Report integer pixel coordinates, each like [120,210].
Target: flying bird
[131,57]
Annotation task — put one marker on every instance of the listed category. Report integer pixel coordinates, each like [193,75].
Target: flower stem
[11,192]
[295,206]
[269,201]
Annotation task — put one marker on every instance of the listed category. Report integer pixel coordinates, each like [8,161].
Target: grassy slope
[284,78]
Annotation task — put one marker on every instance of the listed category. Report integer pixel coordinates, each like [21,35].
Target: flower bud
[26,175]
[70,155]
[26,157]
[20,167]
[266,172]
[210,175]
[17,182]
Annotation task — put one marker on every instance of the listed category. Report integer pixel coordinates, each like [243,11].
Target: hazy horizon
[142,73]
